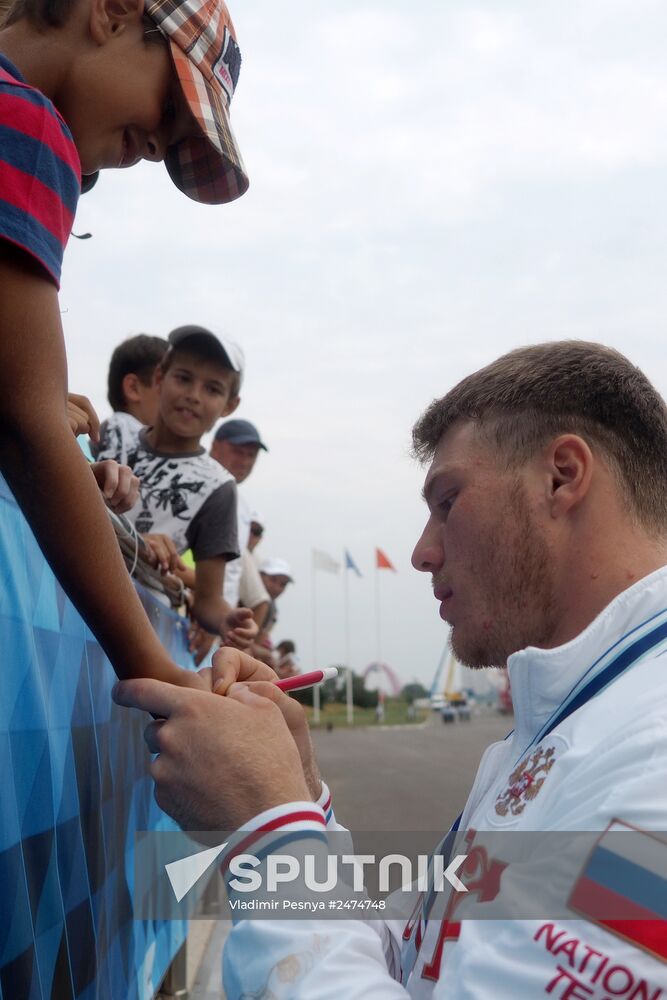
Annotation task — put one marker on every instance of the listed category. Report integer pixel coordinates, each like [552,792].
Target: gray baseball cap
[239,432]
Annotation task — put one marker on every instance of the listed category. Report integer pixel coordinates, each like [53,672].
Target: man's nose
[429,554]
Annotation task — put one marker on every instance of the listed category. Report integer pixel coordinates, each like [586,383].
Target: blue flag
[351,564]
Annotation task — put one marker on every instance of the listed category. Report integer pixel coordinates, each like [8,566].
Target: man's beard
[514,559]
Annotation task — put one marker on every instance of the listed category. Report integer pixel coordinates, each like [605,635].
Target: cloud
[431,184]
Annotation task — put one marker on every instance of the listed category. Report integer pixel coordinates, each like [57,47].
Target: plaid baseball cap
[208,61]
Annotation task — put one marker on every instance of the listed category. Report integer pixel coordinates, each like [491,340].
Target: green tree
[411,692]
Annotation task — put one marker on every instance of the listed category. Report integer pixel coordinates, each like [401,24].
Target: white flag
[322,560]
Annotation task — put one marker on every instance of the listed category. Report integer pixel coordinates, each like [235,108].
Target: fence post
[175,982]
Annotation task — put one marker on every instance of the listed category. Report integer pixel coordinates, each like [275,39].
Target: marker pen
[307,680]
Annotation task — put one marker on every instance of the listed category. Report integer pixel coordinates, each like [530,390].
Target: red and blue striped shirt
[40,173]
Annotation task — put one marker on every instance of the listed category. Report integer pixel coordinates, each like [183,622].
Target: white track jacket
[605,764]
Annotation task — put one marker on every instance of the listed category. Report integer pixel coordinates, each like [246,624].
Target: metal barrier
[76,789]
[138,561]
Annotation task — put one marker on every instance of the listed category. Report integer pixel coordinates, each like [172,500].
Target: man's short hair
[138,356]
[533,394]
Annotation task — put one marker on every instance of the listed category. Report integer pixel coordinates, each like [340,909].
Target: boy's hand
[240,628]
[82,417]
[119,485]
[191,679]
[199,738]
[200,642]
[164,554]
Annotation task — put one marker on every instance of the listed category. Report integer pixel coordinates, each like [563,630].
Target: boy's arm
[260,612]
[209,607]
[51,479]
[211,610]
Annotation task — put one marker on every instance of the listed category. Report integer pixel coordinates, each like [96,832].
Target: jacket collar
[542,678]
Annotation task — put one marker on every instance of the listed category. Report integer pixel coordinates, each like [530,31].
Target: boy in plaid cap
[88,84]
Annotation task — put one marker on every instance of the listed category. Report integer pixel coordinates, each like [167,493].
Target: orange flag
[382,562]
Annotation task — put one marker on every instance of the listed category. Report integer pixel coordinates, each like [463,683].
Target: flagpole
[348,659]
[377,608]
[316,689]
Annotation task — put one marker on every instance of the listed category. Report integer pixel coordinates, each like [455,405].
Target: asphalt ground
[405,778]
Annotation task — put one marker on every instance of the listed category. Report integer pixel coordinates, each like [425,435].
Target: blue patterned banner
[75,790]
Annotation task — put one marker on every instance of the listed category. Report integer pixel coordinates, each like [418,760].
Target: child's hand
[164,553]
[240,629]
[82,417]
[199,642]
[119,485]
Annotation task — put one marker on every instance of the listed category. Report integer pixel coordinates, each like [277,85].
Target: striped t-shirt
[40,173]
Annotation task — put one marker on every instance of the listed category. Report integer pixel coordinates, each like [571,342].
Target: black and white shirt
[191,498]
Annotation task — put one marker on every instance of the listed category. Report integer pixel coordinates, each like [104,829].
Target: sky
[433,182]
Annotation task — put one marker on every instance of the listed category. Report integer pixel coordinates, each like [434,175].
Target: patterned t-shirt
[40,172]
[114,431]
[191,497]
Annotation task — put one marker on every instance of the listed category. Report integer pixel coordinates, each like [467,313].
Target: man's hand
[82,417]
[214,770]
[297,723]
[119,485]
[232,670]
[164,554]
[240,628]
[231,665]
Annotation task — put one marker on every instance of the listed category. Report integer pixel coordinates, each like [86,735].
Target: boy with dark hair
[66,110]
[184,493]
[131,382]
[132,389]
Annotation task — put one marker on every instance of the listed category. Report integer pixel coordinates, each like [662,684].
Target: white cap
[276,567]
[230,351]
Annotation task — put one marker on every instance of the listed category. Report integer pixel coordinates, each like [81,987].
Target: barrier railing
[75,790]
[137,559]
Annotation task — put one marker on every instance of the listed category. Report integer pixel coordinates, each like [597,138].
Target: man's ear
[232,405]
[569,466]
[109,18]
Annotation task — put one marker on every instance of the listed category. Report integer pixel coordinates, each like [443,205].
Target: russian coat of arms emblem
[526,781]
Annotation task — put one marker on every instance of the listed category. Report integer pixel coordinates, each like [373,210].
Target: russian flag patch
[623,887]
